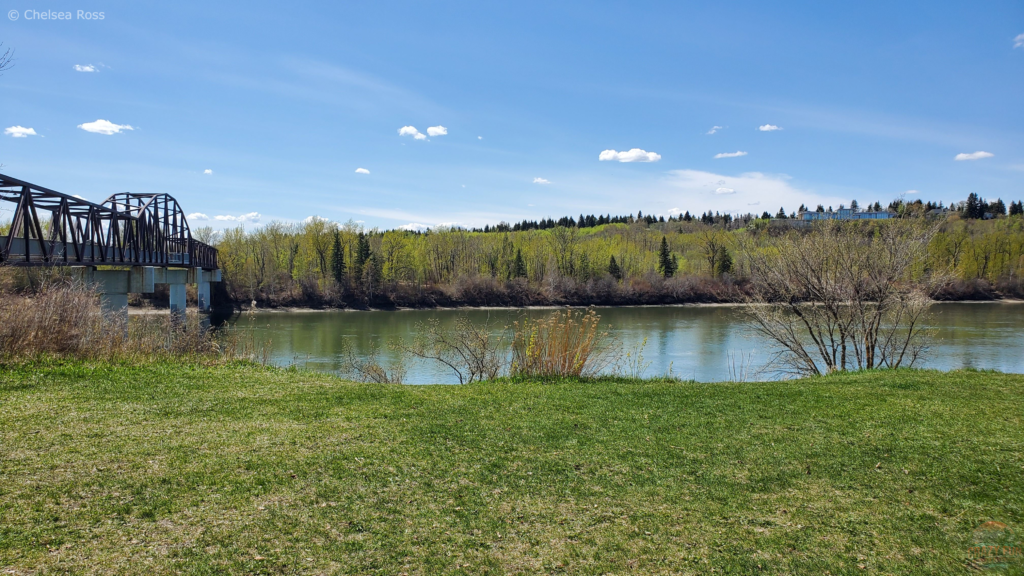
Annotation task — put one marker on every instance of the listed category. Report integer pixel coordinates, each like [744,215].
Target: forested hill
[632,260]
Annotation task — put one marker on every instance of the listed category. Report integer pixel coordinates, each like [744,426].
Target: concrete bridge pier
[115,285]
[202,279]
[113,289]
[175,280]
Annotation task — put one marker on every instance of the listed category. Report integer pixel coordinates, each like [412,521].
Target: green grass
[175,468]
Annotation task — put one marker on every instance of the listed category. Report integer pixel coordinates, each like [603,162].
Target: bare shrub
[368,368]
[565,344]
[841,299]
[473,352]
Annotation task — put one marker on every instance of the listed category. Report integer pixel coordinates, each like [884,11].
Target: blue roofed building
[847,214]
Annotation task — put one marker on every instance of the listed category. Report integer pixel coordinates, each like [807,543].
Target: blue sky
[283,102]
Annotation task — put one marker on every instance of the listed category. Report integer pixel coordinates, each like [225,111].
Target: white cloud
[768,128]
[911,192]
[724,190]
[207,171]
[714,129]
[197,216]
[541,181]
[19,131]
[362,171]
[437,131]
[86,68]
[674,211]
[697,191]
[634,155]
[1018,42]
[479,137]
[411,131]
[414,227]
[974,155]
[80,197]
[250,217]
[730,155]
[104,127]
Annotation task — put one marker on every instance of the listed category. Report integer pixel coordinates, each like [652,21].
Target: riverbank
[171,467]
[299,309]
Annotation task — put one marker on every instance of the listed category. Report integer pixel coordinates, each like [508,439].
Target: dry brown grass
[63,319]
[565,344]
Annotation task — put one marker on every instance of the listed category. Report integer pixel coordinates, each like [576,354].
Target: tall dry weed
[565,344]
[63,319]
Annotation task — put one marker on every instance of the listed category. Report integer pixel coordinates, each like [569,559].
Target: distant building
[847,214]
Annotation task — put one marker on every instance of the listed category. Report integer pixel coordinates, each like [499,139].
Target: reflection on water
[698,342]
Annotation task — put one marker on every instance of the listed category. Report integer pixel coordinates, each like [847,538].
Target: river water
[705,343]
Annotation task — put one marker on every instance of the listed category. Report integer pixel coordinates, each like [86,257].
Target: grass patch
[172,467]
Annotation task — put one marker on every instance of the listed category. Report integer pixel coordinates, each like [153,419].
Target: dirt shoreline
[302,309]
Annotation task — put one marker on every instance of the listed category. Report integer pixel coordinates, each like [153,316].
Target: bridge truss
[50,228]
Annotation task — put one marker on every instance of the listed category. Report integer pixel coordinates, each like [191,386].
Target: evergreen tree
[519,266]
[766,216]
[724,265]
[338,260]
[362,255]
[666,265]
[687,216]
[782,213]
[1016,208]
[997,207]
[614,270]
[974,208]
[854,206]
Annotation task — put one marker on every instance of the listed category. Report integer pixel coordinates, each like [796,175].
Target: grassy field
[177,469]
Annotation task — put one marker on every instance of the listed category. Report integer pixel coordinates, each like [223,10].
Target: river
[704,343]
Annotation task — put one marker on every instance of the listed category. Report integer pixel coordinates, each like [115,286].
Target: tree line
[634,259]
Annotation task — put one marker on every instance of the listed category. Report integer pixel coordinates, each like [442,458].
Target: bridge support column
[178,302]
[175,280]
[203,294]
[202,279]
[113,289]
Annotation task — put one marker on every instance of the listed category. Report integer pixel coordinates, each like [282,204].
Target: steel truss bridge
[50,228]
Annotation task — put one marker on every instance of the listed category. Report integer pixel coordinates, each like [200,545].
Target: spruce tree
[1016,208]
[362,254]
[974,208]
[338,260]
[782,213]
[724,265]
[519,266]
[665,264]
[614,270]
[997,207]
